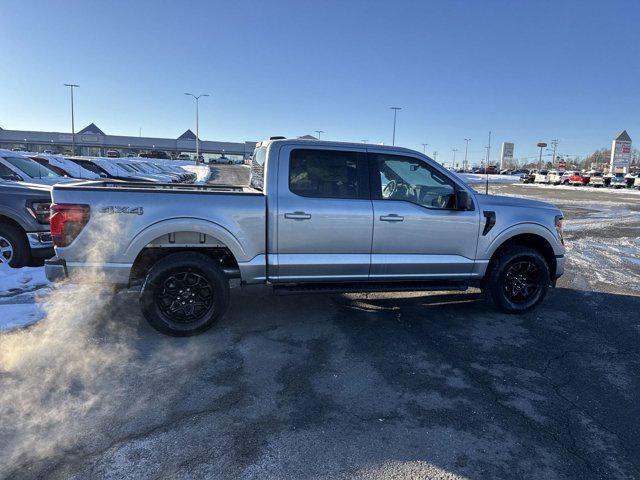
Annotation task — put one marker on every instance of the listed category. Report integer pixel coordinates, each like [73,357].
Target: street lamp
[395,115]
[424,148]
[197,97]
[73,128]
[364,141]
[466,150]
[319,132]
[541,145]
[454,150]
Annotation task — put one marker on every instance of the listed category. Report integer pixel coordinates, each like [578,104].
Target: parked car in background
[542,176]
[576,178]
[155,154]
[564,177]
[596,179]
[554,177]
[27,170]
[24,223]
[630,179]
[49,151]
[586,177]
[528,177]
[618,181]
[113,154]
[184,156]
[135,170]
[636,182]
[105,170]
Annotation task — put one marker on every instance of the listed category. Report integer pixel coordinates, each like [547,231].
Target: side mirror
[463,200]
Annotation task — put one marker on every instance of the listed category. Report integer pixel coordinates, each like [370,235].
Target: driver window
[412,180]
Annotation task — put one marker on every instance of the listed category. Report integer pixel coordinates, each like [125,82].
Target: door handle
[297,216]
[392,217]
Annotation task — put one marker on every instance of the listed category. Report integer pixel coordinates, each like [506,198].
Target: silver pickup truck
[316,217]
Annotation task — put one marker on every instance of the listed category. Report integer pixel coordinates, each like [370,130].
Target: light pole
[466,150]
[454,150]
[319,132]
[435,156]
[541,145]
[197,97]
[395,115]
[424,148]
[73,127]
[364,141]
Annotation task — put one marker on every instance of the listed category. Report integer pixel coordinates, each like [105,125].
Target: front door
[418,233]
[325,215]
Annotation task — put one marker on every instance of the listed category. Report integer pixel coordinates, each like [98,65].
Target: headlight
[40,210]
[558,225]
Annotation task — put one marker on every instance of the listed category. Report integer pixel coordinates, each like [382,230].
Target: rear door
[417,233]
[325,215]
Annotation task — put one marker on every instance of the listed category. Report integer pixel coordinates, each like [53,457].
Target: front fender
[217,231]
[487,248]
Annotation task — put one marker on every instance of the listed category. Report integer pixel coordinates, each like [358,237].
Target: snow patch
[202,171]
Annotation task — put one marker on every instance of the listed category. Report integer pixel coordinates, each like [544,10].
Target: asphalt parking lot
[413,385]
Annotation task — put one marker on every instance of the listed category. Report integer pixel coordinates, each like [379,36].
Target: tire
[14,248]
[505,277]
[180,279]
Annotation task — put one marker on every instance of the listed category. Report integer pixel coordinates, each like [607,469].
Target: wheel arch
[536,240]
[182,235]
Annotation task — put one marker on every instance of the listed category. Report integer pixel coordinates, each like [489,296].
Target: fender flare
[14,216]
[183,224]
[528,228]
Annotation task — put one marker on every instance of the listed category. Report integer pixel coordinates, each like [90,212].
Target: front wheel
[184,294]
[517,280]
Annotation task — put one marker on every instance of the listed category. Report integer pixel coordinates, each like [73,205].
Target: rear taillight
[67,221]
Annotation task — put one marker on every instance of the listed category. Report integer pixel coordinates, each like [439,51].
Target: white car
[21,168]
[554,177]
[70,168]
[596,179]
[541,177]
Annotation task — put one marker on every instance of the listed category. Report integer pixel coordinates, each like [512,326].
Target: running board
[367,287]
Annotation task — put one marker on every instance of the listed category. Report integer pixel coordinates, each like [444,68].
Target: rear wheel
[517,280]
[184,294]
[14,249]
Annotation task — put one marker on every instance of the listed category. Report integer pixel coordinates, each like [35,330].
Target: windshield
[32,168]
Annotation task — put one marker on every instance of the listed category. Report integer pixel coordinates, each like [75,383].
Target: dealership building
[92,141]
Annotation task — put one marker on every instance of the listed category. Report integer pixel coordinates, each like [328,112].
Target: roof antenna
[486,169]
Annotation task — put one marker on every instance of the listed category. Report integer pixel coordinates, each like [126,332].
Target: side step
[366,287]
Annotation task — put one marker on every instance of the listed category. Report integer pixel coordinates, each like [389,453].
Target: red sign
[541,144]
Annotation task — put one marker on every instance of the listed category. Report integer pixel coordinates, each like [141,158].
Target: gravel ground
[419,385]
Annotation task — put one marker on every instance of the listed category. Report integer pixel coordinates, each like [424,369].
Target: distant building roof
[308,137]
[188,135]
[92,128]
[623,136]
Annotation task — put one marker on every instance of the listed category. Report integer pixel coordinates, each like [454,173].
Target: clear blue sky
[527,70]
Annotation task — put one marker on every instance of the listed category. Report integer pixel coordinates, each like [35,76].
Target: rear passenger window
[326,173]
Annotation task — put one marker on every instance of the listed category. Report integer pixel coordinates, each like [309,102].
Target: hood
[487,201]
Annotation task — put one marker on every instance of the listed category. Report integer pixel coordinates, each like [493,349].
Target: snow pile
[14,282]
[480,178]
[17,280]
[586,188]
[202,171]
